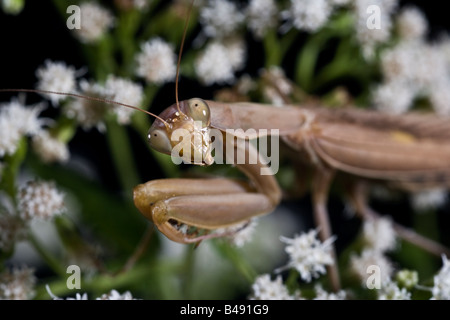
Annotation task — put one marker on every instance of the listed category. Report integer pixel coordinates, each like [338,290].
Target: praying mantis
[410,151]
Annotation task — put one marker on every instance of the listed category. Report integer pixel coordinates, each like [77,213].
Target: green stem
[121,152]
[236,258]
[188,271]
[49,259]
[12,166]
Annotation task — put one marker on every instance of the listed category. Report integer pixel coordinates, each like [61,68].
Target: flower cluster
[17,284]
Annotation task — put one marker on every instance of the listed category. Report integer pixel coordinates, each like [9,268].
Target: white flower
[323,295]
[213,65]
[40,200]
[56,76]
[88,113]
[236,52]
[10,133]
[394,97]
[156,62]
[441,288]
[261,16]
[417,64]
[220,60]
[50,149]
[391,291]
[17,120]
[361,265]
[429,199]
[308,15]
[12,229]
[370,36]
[124,91]
[115,295]
[412,23]
[379,234]
[244,232]
[308,255]
[17,284]
[265,289]
[407,278]
[95,21]
[78,296]
[439,96]
[220,18]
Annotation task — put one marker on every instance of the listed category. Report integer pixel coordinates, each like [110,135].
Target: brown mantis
[409,151]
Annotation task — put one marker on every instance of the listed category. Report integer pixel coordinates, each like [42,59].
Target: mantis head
[184,132]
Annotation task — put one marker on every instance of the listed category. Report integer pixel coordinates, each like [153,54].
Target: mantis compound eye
[159,140]
[198,110]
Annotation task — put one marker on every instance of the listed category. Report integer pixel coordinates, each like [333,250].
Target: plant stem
[121,152]
[51,261]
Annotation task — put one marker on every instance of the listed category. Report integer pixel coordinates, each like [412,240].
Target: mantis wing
[411,150]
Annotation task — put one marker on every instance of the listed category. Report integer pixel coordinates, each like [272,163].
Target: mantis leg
[359,195]
[189,210]
[321,185]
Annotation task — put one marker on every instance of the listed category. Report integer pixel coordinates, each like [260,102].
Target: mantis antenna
[87,98]
[179,55]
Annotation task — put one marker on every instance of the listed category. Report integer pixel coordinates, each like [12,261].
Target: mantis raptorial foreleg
[359,195]
[186,210]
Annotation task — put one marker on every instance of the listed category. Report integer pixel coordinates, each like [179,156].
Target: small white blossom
[115,295]
[308,15]
[439,96]
[236,52]
[265,289]
[40,200]
[12,229]
[88,113]
[50,149]
[441,288]
[156,62]
[394,97]
[391,291]
[369,257]
[429,199]
[308,255]
[379,234]
[261,16]
[95,21]
[216,64]
[78,296]
[416,64]
[411,23]
[124,91]
[244,232]
[321,294]
[16,120]
[407,278]
[220,18]
[17,284]
[56,76]
[370,37]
